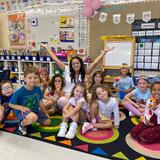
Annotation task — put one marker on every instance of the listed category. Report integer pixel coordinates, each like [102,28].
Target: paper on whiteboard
[148,52]
[155,59]
[147,65]
[156,45]
[141,52]
[154,65]
[121,53]
[148,59]
[148,45]
[140,59]
[155,52]
[140,65]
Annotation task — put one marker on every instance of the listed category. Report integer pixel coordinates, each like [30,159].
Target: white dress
[68,84]
[108,108]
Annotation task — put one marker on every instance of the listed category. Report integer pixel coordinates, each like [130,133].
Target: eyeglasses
[6,88]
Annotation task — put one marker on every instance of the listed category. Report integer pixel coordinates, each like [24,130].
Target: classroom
[80,79]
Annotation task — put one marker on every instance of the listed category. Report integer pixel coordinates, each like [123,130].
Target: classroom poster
[17,33]
[66,22]
[67,36]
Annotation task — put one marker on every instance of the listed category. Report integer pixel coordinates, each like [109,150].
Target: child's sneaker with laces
[22,129]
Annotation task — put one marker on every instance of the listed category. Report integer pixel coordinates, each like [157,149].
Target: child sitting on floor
[124,84]
[27,102]
[6,91]
[44,78]
[141,94]
[97,78]
[53,93]
[102,107]
[74,110]
[148,131]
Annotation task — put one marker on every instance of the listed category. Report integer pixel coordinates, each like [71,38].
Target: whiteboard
[122,53]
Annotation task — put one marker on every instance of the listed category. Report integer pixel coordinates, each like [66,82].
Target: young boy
[27,102]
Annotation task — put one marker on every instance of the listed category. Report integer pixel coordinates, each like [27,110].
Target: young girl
[148,131]
[98,78]
[102,107]
[52,94]
[6,91]
[44,79]
[124,84]
[141,94]
[72,110]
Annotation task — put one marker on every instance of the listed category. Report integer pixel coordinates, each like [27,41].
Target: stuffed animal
[151,106]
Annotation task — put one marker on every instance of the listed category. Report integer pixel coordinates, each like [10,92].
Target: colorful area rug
[112,144]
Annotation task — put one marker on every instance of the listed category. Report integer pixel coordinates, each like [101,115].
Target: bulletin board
[60,30]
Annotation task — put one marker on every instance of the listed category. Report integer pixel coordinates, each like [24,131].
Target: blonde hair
[126,66]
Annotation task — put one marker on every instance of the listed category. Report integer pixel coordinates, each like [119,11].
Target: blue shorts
[41,116]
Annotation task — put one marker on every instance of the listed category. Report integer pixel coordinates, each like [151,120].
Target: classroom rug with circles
[109,143]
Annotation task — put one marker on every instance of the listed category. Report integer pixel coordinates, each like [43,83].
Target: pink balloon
[87,11]
[88,2]
[96,4]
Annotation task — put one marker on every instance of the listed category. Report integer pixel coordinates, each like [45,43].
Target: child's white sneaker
[22,129]
[63,129]
[130,114]
[72,131]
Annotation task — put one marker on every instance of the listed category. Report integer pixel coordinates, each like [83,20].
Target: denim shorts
[41,116]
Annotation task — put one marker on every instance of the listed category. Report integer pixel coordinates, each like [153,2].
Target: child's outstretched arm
[23,109]
[94,63]
[54,57]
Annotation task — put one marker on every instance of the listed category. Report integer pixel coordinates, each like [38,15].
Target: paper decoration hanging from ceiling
[103,17]
[116,18]
[130,18]
[146,16]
